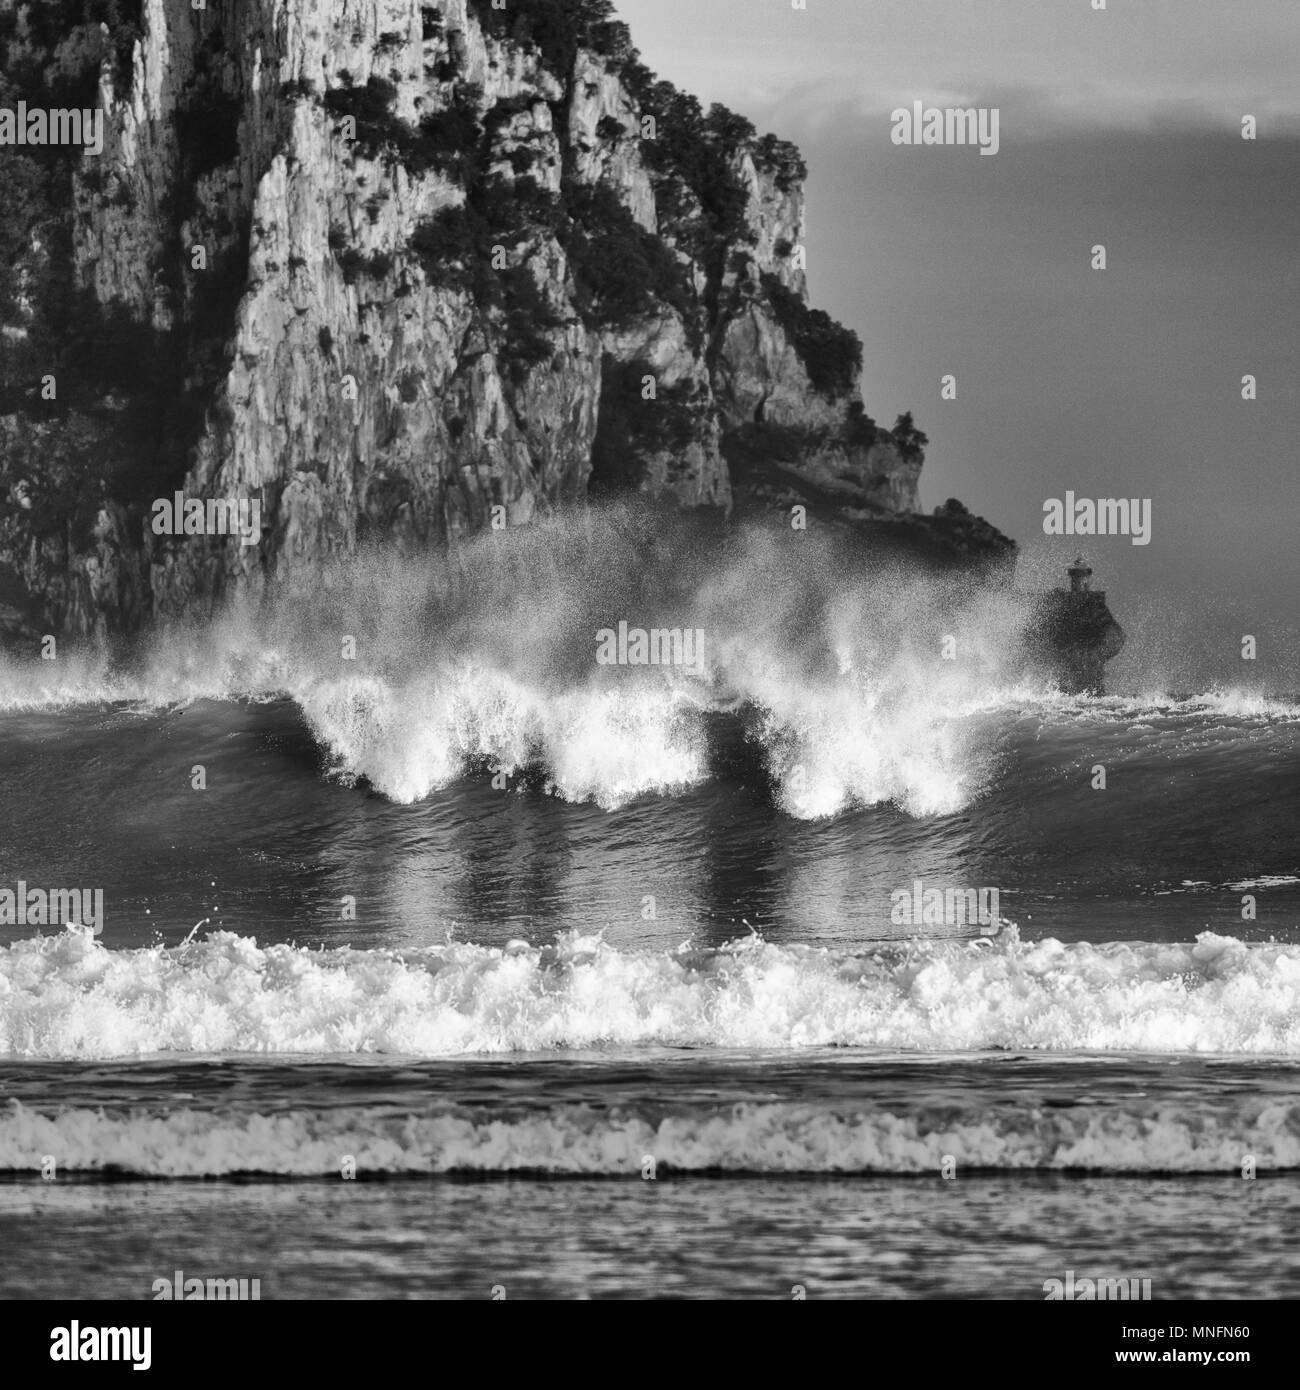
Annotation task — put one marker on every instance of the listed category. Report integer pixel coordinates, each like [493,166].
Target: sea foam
[69,996]
[738,1138]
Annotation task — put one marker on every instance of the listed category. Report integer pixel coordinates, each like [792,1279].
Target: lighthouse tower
[1080,576]
[1074,634]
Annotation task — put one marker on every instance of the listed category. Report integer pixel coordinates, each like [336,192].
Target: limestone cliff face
[388,266]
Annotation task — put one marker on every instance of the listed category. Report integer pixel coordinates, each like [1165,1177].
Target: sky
[1119,128]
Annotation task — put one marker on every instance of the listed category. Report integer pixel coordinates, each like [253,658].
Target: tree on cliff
[911,442]
[559,28]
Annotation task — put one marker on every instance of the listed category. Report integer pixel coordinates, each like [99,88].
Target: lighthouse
[1080,573]
[1074,634]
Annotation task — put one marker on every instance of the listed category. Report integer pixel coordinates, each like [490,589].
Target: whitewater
[67,996]
[402,889]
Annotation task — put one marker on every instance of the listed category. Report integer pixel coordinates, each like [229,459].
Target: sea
[437,960]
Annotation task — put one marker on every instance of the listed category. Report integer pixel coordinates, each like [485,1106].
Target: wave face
[67,996]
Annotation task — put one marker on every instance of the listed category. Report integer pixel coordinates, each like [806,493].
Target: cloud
[1157,65]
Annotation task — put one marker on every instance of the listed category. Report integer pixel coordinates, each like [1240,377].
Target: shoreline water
[982,1238]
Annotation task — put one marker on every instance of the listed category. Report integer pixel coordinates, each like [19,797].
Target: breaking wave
[67,996]
[574,1139]
[410,675]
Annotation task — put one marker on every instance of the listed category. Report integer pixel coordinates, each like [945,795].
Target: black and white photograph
[649,651]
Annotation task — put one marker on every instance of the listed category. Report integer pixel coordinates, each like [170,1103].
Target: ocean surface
[597,981]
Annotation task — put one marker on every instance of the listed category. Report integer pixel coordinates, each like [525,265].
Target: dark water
[988,1237]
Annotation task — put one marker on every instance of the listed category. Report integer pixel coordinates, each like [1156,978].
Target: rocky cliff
[396,270]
